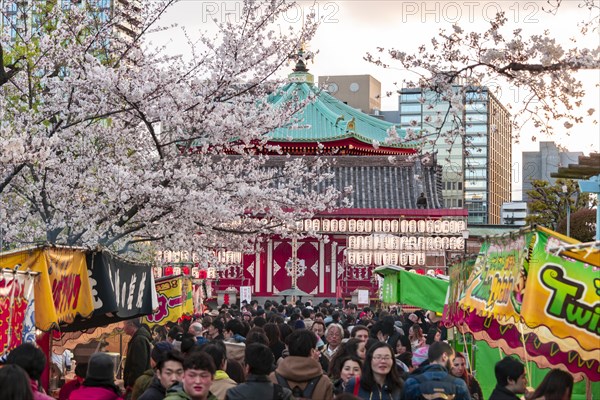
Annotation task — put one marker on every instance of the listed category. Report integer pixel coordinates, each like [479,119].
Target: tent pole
[588,389]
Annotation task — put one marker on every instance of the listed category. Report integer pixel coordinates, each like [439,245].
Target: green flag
[422,291]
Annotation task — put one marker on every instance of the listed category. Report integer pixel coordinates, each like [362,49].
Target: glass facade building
[476,162]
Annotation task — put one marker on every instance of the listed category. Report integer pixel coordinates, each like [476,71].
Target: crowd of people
[282,351]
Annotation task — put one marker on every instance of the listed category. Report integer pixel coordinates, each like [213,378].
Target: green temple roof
[326,119]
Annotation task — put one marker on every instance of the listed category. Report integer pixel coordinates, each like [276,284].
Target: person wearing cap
[142,383]
[99,382]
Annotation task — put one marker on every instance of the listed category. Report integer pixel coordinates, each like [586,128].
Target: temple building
[396,216]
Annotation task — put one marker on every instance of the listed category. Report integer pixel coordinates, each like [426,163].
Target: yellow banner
[497,279]
[63,288]
[562,296]
[174,300]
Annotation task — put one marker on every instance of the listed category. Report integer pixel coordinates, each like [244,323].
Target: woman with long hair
[459,370]
[433,335]
[557,385]
[274,336]
[15,384]
[351,367]
[416,337]
[379,378]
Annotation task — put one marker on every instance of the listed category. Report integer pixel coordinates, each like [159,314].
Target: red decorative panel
[307,252]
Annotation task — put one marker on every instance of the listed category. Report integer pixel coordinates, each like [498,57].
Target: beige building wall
[500,158]
[358,91]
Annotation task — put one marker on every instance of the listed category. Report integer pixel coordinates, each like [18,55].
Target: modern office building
[22,16]
[514,213]
[362,92]
[539,165]
[476,170]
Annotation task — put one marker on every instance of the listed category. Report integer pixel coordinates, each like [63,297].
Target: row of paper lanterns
[385,225]
[375,242]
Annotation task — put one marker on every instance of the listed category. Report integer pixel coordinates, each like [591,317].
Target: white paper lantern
[378,225]
[307,225]
[404,226]
[342,224]
[453,226]
[412,258]
[386,225]
[326,225]
[352,225]
[421,226]
[446,227]
[360,242]
[412,226]
[334,225]
[394,226]
[437,226]
[360,225]
[445,243]
[368,225]
[403,258]
[316,224]
[429,226]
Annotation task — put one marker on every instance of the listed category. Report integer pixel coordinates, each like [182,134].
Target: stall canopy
[531,301]
[77,289]
[121,290]
[403,287]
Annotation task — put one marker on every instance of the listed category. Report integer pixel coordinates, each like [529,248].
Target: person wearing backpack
[300,371]
[435,380]
[259,364]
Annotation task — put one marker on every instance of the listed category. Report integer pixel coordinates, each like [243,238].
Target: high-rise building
[514,213]
[476,170]
[362,92]
[539,165]
[23,16]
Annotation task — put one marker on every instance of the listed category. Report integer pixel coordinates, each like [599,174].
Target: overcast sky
[350,29]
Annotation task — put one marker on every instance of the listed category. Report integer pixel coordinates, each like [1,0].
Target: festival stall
[65,289]
[525,298]
[404,287]
[175,300]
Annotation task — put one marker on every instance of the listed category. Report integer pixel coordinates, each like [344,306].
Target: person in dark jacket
[169,371]
[511,379]
[440,356]
[259,364]
[138,352]
[143,382]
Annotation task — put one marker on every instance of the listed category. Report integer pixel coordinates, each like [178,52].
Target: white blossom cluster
[537,65]
[105,140]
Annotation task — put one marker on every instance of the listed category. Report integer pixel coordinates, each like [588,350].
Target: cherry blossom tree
[457,61]
[107,140]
